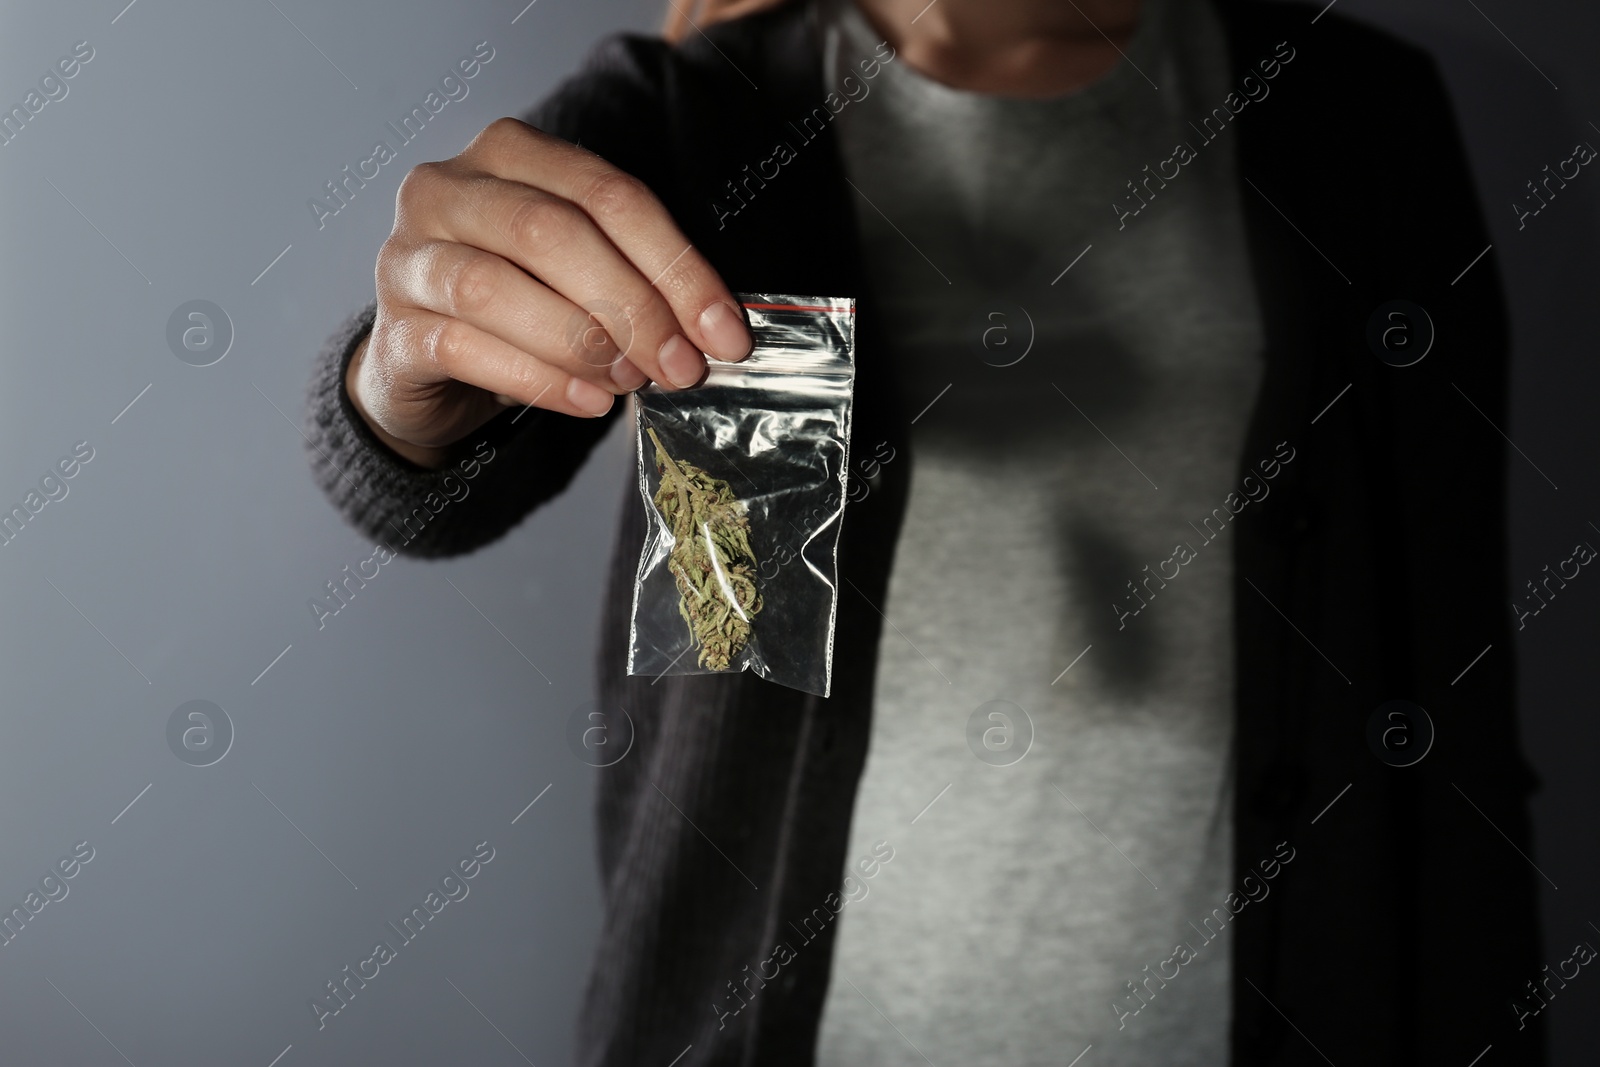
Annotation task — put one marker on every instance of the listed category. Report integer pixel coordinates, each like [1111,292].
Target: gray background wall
[376,752]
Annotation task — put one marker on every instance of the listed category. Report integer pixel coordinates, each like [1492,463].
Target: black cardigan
[1376,570]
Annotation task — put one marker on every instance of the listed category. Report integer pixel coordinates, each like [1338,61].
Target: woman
[1115,265]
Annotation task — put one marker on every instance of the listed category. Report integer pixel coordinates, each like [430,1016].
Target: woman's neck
[1008,47]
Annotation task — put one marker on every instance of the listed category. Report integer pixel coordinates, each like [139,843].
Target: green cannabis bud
[710,558]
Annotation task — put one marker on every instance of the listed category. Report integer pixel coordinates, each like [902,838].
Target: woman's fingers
[557,243]
[464,353]
[631,218]
[530,271]
[486,291]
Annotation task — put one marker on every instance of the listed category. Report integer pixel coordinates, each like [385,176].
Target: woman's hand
[527,270]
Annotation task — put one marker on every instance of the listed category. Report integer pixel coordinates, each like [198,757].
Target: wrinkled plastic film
[775,428]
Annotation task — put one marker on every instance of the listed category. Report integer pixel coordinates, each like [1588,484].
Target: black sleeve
[1446,417]
[495,476]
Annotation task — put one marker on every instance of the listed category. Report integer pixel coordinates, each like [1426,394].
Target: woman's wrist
[422,456]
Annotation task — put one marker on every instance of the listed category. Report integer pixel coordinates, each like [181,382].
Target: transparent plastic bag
[744,484]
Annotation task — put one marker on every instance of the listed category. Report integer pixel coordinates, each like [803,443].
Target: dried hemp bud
[710,558]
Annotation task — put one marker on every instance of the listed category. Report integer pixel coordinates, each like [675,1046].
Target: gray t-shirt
[1050,758]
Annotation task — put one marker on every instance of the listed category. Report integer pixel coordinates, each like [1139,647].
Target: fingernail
[508,401]
[724,331]
[627,376]
[680,361]
[588,397]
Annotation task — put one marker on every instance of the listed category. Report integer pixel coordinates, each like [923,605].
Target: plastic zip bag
[744,482]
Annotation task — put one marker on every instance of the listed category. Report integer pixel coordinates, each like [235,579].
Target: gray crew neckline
[1141,54]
